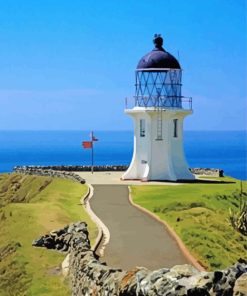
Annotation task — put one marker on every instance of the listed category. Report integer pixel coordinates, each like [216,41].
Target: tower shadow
[196,181]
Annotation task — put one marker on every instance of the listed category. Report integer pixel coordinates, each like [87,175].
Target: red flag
[87,144]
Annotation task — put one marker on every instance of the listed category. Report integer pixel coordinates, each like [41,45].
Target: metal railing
[165,102]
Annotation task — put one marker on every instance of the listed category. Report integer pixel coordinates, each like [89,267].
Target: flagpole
[92,152]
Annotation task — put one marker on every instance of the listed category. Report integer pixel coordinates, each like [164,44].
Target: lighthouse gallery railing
[165,102]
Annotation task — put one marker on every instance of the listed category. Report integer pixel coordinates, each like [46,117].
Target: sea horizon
[108,130]
[207,149]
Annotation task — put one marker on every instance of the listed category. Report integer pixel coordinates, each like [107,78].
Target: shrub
[238,218]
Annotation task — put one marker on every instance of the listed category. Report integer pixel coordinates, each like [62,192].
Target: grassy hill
[29,207]
[199,214]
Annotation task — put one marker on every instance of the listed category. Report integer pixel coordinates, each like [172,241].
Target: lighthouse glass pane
[175,125]
[142,128]
[158,88]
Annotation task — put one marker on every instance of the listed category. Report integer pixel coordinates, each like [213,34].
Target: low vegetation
[29,207]
[199,214]
[238,218]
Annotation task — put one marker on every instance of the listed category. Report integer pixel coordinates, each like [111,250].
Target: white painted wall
[158,160]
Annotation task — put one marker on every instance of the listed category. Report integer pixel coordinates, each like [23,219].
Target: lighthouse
[158,112]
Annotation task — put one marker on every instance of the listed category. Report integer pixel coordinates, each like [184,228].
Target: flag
[87,144]
[92,137]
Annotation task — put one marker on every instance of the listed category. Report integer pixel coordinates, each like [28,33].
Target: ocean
[208,149]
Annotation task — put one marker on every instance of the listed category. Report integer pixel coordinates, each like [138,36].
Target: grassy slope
[38,205]
[204,226]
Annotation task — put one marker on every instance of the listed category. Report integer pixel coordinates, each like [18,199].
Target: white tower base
[158,145]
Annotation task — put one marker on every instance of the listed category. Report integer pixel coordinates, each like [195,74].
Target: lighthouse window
[142,128]
[175,130]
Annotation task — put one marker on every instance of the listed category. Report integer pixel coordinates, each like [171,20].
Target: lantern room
[158,79]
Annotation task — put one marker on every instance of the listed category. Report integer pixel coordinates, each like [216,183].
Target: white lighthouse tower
[158,113]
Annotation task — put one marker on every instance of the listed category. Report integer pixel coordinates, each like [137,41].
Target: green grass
[31,206]
[199,214]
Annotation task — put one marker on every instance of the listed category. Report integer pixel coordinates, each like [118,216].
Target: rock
[88,276]
[184,270]
[217,276]
[48,172]
[240,287]
[38,242]
[207,172]
[197,292]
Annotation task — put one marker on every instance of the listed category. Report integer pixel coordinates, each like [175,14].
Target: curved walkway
[136,239]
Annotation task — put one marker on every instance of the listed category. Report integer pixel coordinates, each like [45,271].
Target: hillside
[199,214]
[30,206]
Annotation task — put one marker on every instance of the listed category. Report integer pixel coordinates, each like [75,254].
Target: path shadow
[196,181]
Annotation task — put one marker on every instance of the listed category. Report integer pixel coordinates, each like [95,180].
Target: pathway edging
[180,243]
[103,237]
[65,263]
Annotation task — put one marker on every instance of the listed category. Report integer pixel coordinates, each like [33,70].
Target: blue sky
[70,64]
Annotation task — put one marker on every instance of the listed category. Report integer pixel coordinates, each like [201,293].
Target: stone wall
[88,276]
[105,168]
[41,171]
[75,168]
[207,172]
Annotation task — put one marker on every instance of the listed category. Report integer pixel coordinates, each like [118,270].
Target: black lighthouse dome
[158,58]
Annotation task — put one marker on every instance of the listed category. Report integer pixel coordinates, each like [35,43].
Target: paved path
[136,239]
[115,178]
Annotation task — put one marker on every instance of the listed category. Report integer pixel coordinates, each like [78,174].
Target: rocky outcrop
[88,276]
[41,171]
